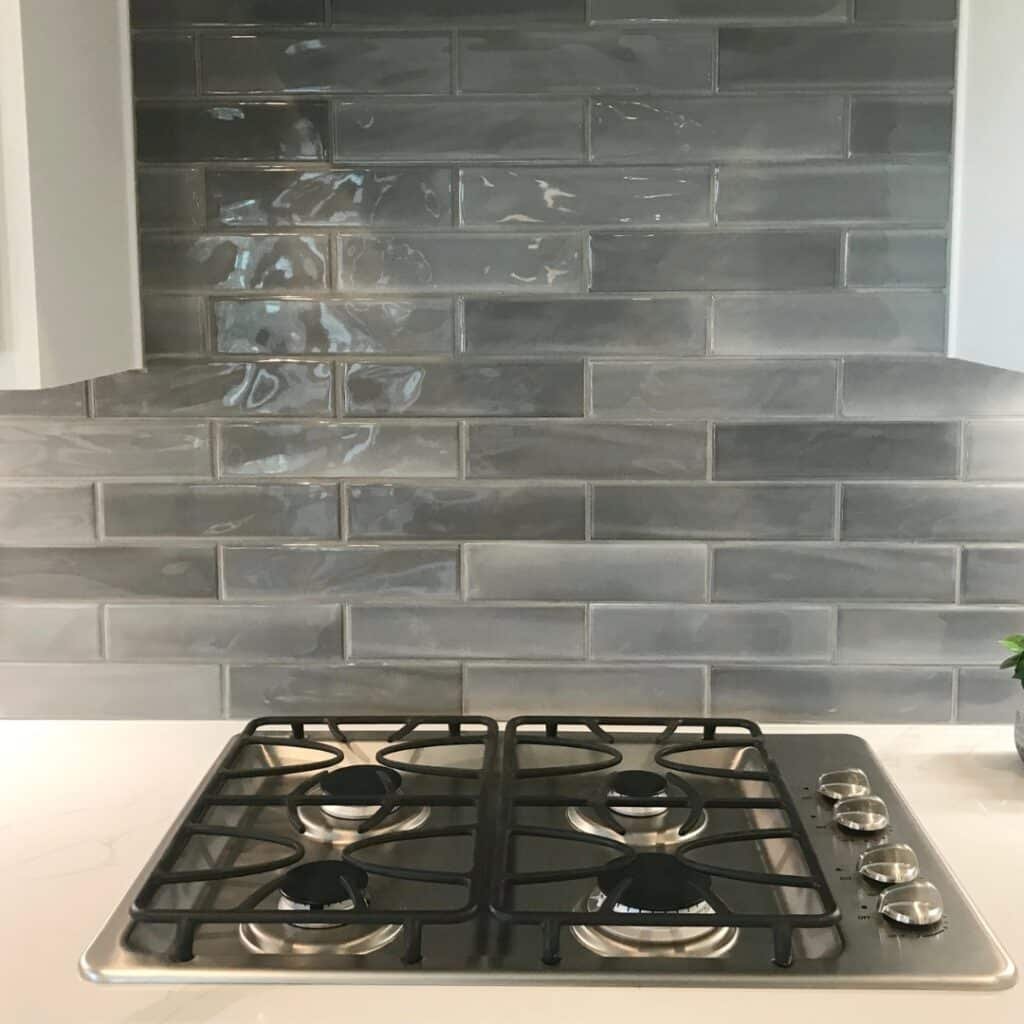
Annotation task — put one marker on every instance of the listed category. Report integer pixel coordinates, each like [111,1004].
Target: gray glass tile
[829,324]
[105,572]
[504,691]
[890,259]
[929,636]
[335,326]
[318,448]
[29,515]
[480,512]
[462,128]
[993,450]
[835,451]
[715,388]
[702,261]
[901,126]
[277,63]
[651,632]
[175,388]
[54,632]
[224,632]
[718,10]
[915,193]
[591,326]
[349,197]
[87,448]
[226,12]
[905,10]
[307,572]
[108,691]
[220,511]
[464,389]
[173,324]
[235,131]
[257,690]
[993,575]
[812,572]
[459,11]
[171,197]
[987,696]
[481,631]
[587,450]
[586,572]
[959,512]
[919,388]
[174,262]
[786,57]
[721,128]
[68,400]
[832,694]
[598,60]
[163,66]
[714,512]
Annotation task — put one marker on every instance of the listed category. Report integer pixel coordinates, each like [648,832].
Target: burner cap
[653,882]
[321,883]
[360,781]
[642,785]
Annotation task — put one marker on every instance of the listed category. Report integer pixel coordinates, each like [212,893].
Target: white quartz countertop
[85,803]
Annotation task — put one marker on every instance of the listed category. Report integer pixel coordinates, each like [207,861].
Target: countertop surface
[85,803]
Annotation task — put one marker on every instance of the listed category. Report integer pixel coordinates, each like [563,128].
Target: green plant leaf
[1011,660]
[1014,643]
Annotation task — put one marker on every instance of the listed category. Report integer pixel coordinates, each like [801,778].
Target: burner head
[643,786]
[323,883]
[362,781]
[652,883]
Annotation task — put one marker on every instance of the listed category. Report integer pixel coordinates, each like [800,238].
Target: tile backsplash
[527,355]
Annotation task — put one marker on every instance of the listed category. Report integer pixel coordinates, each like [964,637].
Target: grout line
[463,453]
[588,511]
[463,567]
[709,452]
[962,461]
[837,513]
[344,528]
[104,627]
[954,711]
[221,579]
[958,574]
[99,523]
[707,689]
[346,632]
[840,385]
[588,625]
[843,264]
[225,692]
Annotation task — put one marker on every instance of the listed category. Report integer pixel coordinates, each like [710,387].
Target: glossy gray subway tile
[832,693]
[896,259]
[220,511]
[504,691]
[720,128]
[993,450]
[587,449]
[768,58]
[226,12]
[718,10]
[68,400]
[171,197]
[358,12]
[55,513]
[901,126]
[224,632]
[588,196]
[325,449]
[652,632]
[587,326]
[187,133]
[712,511]
[372,572]
[932,512]
[49,632]
[815,572]
[595,60]
[236,262]
[905,10]
[91,448]
[326,63]
[464,389]
[986,696]
[105,691]
[173,324]
[404,689]
[721,389]
[837,451]
[459,128]
[467,512]
[346,197]
[993,576]
[935,636]
[460,262]
[398,326]
[586,572]
[164,66]
[834,323]
[468,631]
[713,260]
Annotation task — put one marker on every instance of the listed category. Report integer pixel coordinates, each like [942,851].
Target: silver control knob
[892,864]
[843,784]
[917,904]
[862,814]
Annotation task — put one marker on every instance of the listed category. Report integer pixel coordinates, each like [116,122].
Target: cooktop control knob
[917,904]
[846,782]
[862,814]
[892,864]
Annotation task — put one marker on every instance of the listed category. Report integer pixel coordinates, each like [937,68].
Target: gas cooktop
[559,850]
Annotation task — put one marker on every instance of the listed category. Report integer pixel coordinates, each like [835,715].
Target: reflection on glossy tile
[993,450]
[164,66]
[171,197]
[718,10]
[993,576]
[226,12]
[49,632]
[220,511]
[459,11]
[410,196]
[905,10]
[460,262]
[986,696]
[582,450]
[63,401]
[480,512]
[29,515]
[700,261]
[722,128]
[173,324]
[890,259]
[318,448]
[301,327]
[901,125]
[714,512]
[489,389]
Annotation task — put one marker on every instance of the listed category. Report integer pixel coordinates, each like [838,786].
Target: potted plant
[1015,645]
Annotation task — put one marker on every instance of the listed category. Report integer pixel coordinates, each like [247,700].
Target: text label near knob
[862,814]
